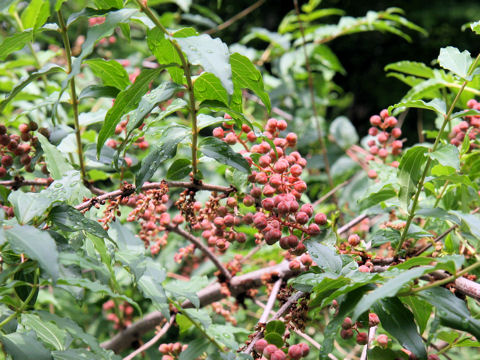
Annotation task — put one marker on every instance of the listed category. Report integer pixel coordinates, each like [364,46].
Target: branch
[199,244]
[235,18]
[291,300]
[352,223]
[270,302]
[212,293]
[371,336]
[152,341]
[130,189]
[20,181]
[331,192]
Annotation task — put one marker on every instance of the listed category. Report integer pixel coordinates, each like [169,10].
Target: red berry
[354,240]
[291,139]
[264,161]
[373,131]
[373,319]
[375,120]
[384,113]
[320,219]
[251,136]
[218,132]
[306,259]
[281,125]
[269,350]
[382,340]
[231,139]
[24,128]
[295,352]
[391,121]
[7,160]
[396,133]
[294,265]
[313,230]
[346,333]
[260,345]
[305,349]
[296,170]
[302,217]
[281,166]
[347,323]
[278,355]
[362,338]
[3,172]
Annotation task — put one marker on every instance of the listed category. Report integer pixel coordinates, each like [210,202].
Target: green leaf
[46,331]
[436,105]
[223,153]
[150,101]
[410,171]
[37,244]
[275,326]
[95,33]
[391,287]
[399,322]
[180,169]
[111,73]
[108,4]
[246,76]
[204,121]
[447,155]
[452,59]
[126,101]
[378,353]
[96,91]
[165,53]
[421,310]
[375,198]
[74,354]
[57,165]
[68,218]
[171,137]
[24,81]
[475,26]
[274,338]
[411,68]
[344,133]
[24,346]
[208,87]
[29,205]
[325,256]
[195,349]
[14,43]
[211,54]
[472,221]
[36,13]
[452,311]
[200,316]
[150,285]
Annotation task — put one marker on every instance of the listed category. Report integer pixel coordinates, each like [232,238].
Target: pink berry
[375,120]
[372,174]
[373,319]
[382,340]
[364,268]
[354,240]
[260,345]
[218,132]
[320,219]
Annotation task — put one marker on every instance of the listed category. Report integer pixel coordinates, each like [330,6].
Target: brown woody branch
[18,182]
[130,189]
[212,293]
[199,244]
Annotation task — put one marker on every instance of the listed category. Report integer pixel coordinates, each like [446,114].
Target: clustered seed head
[470,125]
[171,351]
[348,328]
[126,314]
[17,151]
[272,352]
[386,141]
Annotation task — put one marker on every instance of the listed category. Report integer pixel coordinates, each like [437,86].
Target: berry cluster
[386,138]
[470,125]
[272,352]
[124,311]
[16,151]
[172,350]
[348,327]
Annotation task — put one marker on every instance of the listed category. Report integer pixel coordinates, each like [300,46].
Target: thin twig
[152,341]
[235,18]
[291,300]
[17,183]
[371,336]
[199,244]
[271,301]
[352,223]
[151,186]
[312,98]
[331,192]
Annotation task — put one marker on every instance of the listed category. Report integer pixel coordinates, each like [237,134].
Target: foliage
[156,179]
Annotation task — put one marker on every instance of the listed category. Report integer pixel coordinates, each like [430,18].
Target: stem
[271,301]
[152,341]
[226,274]
[321,141]
[24,304]
[199,327]
[447,279]
[188,76]
[73,94]
[446,120]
